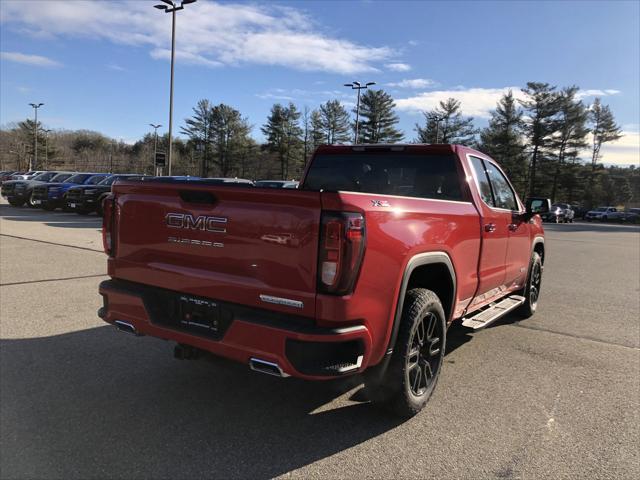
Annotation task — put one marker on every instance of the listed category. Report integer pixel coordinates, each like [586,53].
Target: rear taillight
[108,219]
[342,241]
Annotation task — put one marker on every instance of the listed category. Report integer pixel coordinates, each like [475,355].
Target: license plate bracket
[186,313]
[199,315]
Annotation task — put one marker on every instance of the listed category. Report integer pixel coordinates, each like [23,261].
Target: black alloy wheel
[424,359]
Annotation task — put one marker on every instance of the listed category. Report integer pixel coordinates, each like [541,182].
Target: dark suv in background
[84,199]
[53,195]
[17,192]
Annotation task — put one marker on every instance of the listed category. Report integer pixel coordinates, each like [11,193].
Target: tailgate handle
[197,196]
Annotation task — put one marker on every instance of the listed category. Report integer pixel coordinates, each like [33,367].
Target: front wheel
[417,356]
[30,203]
[99,210]
[531,291]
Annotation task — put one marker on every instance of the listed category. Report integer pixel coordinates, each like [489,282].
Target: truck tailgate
[255,247]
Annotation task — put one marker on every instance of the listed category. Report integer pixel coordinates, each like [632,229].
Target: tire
[30,201]
[99,210]
[81,211]
[417,356]
[14,202]
[49,207]
[531,291]
[604,219]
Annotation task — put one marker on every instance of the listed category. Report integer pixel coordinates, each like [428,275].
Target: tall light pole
[358,86]
[35,106]
[46,146]
[155,144]
[172,7]
[438,120]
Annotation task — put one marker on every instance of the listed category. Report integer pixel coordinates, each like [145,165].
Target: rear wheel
[417,357]
[531,291]
[14,202]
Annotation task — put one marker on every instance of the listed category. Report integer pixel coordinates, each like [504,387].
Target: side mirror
[536,205]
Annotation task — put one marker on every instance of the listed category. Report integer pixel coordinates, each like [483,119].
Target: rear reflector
[342,243]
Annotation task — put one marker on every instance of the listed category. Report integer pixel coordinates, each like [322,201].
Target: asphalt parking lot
[555,396]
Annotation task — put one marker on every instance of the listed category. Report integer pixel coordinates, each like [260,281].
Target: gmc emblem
[202,222]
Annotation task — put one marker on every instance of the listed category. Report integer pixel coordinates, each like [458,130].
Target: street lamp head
[186,2]
[356,83]
[168,2]
[370,83]
[161,7]
[348,84]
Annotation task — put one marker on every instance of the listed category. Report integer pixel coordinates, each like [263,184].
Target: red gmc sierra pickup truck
[360,269]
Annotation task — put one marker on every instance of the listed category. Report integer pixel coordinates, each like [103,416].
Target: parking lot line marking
[53,279]
[52,243]
[591,339]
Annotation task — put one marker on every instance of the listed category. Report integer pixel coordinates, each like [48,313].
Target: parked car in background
[6,175]
[19,192]
[276,184]
[52,195]
[559,213]
[27,175]
[628,216]
[600,213]
[225,180]
[85,199]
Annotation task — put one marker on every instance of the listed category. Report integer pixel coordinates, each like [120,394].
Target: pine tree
[229,135]
[445,124]
[570,137]
[284,137]
[198,129]
[377,118]
[541,105]
[317,135]
[502,140]
[604,129]
[335,122]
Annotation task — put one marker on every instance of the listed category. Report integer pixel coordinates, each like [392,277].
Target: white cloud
[34,60]
[185,57]
[208,33]
[624,151]
[597,93]
[413,83]
[316,96]
[116,67]
[398,67]
[475,102]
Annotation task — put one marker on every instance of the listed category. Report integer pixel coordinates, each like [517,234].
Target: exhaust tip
[269,368]
[126,327]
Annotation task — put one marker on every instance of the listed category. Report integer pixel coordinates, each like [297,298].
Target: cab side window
[504,196]
[483,181]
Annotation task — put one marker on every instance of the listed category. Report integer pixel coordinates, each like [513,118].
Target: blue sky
[104,65]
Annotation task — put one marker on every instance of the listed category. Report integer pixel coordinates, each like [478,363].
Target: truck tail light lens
[108,223]
[342,243]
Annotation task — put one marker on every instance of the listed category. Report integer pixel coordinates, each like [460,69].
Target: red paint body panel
[266,242]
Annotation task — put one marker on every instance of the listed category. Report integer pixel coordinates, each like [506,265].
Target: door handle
[490,227]
[513,227]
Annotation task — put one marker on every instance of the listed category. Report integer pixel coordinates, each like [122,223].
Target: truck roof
[398,147]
